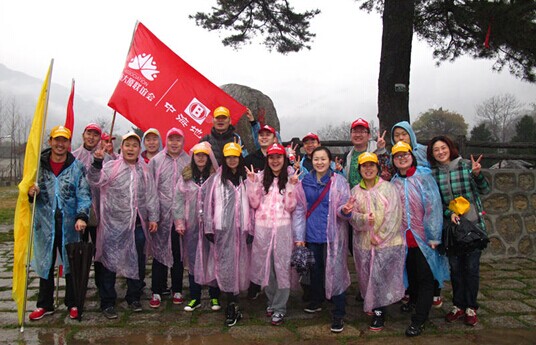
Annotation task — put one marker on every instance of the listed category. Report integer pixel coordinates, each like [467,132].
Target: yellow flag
[23,214]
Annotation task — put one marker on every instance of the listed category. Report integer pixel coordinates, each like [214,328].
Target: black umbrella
[302,259]
[80,255]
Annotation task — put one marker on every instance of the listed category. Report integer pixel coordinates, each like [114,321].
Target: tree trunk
[395,63]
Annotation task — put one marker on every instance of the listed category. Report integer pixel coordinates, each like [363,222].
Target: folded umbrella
[80,255]
[302,259]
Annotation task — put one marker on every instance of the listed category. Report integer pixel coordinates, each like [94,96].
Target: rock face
[261,106]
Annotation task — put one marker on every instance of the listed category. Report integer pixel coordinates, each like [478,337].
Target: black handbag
[463,237]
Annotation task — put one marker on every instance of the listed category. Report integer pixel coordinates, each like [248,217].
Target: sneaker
[337,325]
[155,301]
[192,305]
[414,330]
[313,308]
[73,313]
[269,312]
[437,302]
[378,321]
[233,314]
[177,298]
[39,313]
[455,314]
[470,317]
[254,291]
[278,319]
[215,304]
[110,313]
[407,308]
[405,299]
[135,306]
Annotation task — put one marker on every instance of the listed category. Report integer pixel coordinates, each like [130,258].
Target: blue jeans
[465,279]
[107,292]
[318,276]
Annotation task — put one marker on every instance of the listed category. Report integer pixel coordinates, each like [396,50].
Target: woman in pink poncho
[270,193]
[378,244]
[227,223]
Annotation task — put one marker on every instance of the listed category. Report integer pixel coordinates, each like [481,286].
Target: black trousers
[159,270]
[45,298]
[421,284]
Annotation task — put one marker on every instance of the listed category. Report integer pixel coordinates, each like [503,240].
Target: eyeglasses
[359,131]
[402,156]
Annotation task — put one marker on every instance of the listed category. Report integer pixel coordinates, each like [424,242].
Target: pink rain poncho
[126,191]
[273,231]
[337,277]
[166,171]
[380,267]
[226,214]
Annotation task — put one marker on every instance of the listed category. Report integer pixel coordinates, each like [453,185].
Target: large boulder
[261,106]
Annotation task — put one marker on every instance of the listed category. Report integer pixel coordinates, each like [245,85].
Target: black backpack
[463,237]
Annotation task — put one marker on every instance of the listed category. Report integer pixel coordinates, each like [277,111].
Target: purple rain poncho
[337,277]
[380,268]
[126,191]
[69,191]
[422,214]
[166,171]
[226,214]
[272,231]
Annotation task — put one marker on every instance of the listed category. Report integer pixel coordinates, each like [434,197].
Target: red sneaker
[177,298]
[470,317]
[155,301]
[437,302]
[455,314]
[39,313]
[73,313]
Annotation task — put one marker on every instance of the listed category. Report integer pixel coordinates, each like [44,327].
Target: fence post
[462,145]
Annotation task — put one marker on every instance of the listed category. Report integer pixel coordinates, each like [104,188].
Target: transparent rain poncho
[226,214]
[379,267]
[127,191]
[166,171]
[272,231]
[337,277]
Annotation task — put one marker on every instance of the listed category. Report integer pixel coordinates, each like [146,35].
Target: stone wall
[511,213]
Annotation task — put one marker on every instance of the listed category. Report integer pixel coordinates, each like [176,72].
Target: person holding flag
[62,202]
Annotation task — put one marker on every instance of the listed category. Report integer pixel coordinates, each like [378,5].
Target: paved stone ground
[507,316]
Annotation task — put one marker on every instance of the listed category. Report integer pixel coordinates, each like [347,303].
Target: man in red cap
[267,138]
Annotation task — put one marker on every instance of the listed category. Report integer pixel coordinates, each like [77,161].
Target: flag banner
[69,118]
[23,212]
[159,89]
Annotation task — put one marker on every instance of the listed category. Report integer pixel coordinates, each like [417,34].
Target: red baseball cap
[310,135]
[93,126]
[360,122]
[276,149]
[105,136]
[175,130]
[267,128]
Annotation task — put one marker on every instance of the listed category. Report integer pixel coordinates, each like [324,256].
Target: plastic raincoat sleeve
[290,199]
[208,194]
[298,216]
[178,203]
[83,197]
[97,177]
[255,190]
[153,205]
[433,209]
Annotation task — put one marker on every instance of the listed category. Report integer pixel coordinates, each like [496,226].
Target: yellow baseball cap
[400,147]
[367,157]
[201,148]
[222,111]
[60,131]
[232,149]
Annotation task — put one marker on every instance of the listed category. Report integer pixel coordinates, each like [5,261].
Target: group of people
[234,220]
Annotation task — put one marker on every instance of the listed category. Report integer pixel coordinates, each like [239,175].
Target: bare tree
[500,113]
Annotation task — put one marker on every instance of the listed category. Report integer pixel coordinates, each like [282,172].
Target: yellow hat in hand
[460,205]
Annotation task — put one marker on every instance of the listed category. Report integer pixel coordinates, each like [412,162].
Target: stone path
[507,316]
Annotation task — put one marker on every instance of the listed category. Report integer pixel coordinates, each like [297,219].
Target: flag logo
[146,65]
[197,111]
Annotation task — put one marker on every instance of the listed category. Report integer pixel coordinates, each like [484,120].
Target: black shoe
[358,297]
[414,330]
[135,306]
[254,291]
[337,325]
[233,314]
[312,308]
[110,313]
[407,308]
[166,291]
[378,321]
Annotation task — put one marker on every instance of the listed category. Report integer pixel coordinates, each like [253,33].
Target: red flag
[159,89]
[69,119]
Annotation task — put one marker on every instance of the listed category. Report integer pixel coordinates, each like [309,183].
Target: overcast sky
[333,82]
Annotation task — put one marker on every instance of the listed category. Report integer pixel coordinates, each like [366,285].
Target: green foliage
[481,133]
[439,122]
[275,20]
[525,130]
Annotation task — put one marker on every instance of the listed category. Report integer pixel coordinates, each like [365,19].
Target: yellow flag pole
[30,237]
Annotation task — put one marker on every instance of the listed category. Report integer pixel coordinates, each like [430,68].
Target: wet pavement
[507,316]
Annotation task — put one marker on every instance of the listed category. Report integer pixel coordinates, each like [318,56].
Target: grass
[8,200]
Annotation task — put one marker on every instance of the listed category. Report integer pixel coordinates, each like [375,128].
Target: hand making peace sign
[476,167]
[381,140]
[295,178]
[250,173]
